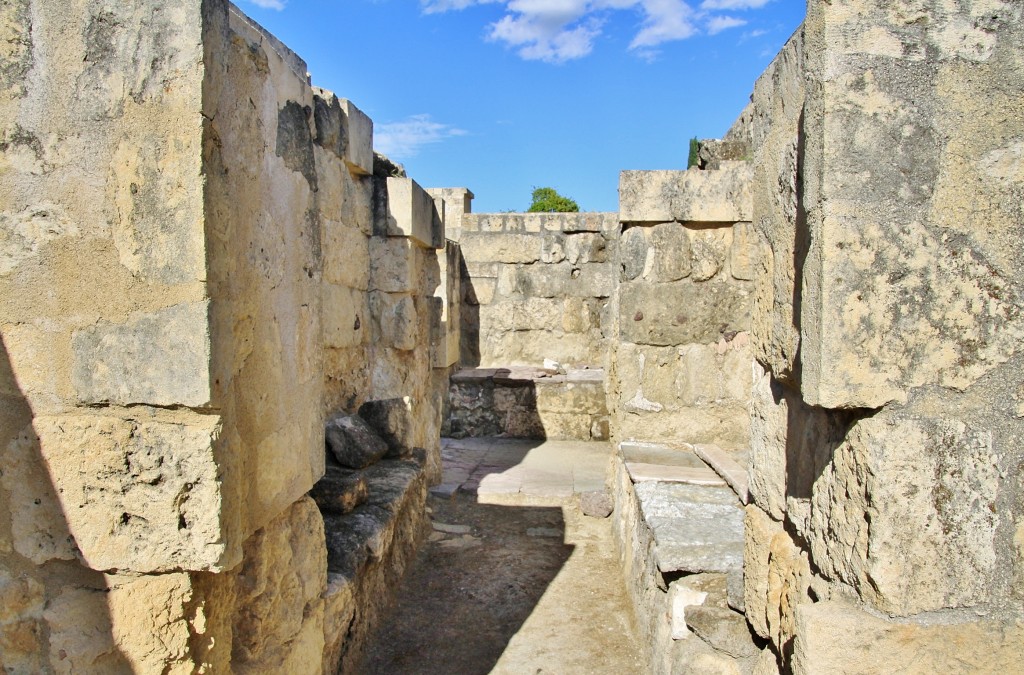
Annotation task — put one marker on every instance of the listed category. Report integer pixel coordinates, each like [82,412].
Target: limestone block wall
[538,286]
[687,255]
[186,290]
[885,529]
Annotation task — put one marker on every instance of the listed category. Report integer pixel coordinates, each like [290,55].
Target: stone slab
[726,467]
[696,528]
[640,471]
[682,312]
[719,196]
[411,213]
[340,490]
[653,453]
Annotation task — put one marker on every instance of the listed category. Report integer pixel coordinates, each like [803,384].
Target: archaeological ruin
[239,349]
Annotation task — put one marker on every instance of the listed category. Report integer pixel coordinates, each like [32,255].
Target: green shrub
[547,200]
[694,157]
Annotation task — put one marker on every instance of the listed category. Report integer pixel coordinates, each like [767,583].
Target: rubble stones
[392,420]
[596,503]
[339,491]
[353,442]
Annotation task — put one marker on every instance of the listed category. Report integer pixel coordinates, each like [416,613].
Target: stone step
[696,528]
[367,531]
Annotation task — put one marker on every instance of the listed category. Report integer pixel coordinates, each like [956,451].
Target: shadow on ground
[471,588]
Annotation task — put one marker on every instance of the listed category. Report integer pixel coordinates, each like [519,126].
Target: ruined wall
[686,260]
[537,286]
[186,292]
[885,530]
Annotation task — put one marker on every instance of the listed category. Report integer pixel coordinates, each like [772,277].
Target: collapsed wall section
[886,517]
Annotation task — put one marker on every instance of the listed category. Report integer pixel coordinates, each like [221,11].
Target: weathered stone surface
[725,466]
[670,253]
[344,316]
[928,489]
[743,255]
[392,419]
[22,600]
[682,312]
[709,250]
[837,638]
[411,213]
[393,265]
[278,621]
[135,496]
[696,529]
[359,134]
[789,577]
[396,320]
[80,633]
[633,252]
[721,196]
[713,152]
[585,247]
[680,598]
[499,247]
[352,442]
[127,363]
[723,629]
[759,529]
[150,618]
[346,252]
[596,503]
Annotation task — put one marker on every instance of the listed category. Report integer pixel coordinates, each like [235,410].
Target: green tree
[694,157]
[547,200]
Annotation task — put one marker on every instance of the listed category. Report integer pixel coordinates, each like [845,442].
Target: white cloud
[562,30]
[717,24]
[269,4]
[664,21]
[733,4]
[439,6]
[400,140]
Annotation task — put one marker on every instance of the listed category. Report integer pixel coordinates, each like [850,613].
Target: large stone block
[346,251]
[278,619]
[345,130]
[670,253]
[159,358]
[682,312]
[22,600]
[908,278]
[344,316]
[394,267]
[501,247]
[411,213]
[396,320]
[140,496]
[833,637]
[906,513]
[720,196]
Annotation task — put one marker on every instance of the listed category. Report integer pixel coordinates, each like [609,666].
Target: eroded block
[720,196]
[411,213]
[139,496]
[159,358]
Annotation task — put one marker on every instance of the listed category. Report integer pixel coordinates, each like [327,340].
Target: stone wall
[686,259]
[885,529]
[538,286]
[186,291]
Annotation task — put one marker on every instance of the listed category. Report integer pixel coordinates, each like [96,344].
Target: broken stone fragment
[353,442]
[340,490]
[392,420]
[723,629]
[596,503]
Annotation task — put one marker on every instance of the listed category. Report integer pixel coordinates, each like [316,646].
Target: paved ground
[524,585]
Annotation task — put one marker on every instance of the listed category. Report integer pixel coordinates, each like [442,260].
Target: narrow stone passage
[527,585]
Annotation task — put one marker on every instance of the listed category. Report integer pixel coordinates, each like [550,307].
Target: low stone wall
[527,403]
[538,286]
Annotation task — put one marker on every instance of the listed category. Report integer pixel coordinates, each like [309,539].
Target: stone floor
[514,578]
[522,471]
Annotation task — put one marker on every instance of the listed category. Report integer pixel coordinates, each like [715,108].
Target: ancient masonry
[232,337]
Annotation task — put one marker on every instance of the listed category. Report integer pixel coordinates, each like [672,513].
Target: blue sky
[502,96]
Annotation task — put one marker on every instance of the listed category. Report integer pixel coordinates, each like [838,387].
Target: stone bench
[679,528]
[527,402]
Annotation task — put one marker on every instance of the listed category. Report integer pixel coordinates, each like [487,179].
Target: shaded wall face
[885,431]
[538,286]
